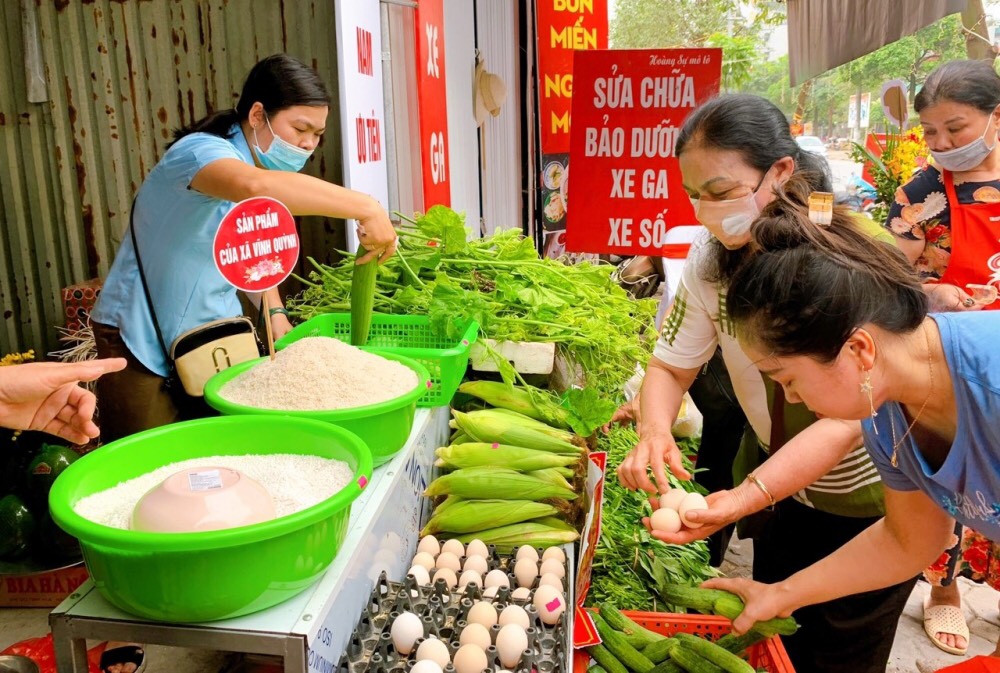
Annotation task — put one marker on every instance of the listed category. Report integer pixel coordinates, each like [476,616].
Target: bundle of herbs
[500,282]
[629,563]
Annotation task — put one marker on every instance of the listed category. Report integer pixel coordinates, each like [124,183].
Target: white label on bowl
[204,481]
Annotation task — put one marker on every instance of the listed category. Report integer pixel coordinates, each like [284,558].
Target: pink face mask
[730,219]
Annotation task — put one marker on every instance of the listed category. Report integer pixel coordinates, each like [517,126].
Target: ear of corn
[487,427]
[474,515]
[447,504]
[473,482]
[527,421]
[538,406]
[460,438]
[362,299]
[553,477]
[475,454]
[526,533]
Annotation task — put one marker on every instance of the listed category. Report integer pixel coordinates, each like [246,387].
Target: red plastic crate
[769,655]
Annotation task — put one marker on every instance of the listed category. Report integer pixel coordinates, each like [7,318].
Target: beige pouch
[202,352]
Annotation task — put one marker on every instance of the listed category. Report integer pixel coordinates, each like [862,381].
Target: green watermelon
[17,527]
[52,545]
[42,472]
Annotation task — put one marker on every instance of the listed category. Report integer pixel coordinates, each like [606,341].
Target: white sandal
[946,619]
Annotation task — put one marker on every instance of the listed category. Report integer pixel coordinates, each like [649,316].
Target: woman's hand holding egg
[679,517]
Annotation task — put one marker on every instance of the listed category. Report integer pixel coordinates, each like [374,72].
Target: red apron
[975,242]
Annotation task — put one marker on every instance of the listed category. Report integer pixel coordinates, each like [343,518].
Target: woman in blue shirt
[842,325]
[255,149]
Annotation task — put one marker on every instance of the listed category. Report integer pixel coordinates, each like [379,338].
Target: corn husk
[469,516]
[530,533]
[488,426]
[500,483]
[516,398]
[476,454]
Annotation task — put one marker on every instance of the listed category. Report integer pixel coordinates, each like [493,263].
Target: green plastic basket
[409,335]
[384,427]
[198,577]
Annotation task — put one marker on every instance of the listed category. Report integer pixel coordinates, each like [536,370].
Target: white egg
[556,553]
[552,580]
[497,578]
[552,566]
[522,593]
[430,545]
[448,575]
[477,548]
[476,563]
[512,641]
[490,592]
[691,501]
[455,547]
[434,650]
[550,604]
[470,659]
[477,634]
[470,577]
[672,498]
[427,665]
[665,520]
[482,613]
[424,559]
[525,572]
[514,614]
[420,574]
[527,551]
[448,560]
[406,628]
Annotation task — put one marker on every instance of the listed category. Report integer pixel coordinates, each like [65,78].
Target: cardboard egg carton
[442,611]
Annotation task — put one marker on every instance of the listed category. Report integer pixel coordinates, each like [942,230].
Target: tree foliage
[738,28]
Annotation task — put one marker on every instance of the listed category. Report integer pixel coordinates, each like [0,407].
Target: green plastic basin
[200,577]
[383,427]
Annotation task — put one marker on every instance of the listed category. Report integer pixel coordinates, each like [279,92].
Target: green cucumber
[605,659]
[730,606]
[620,622]
[659,651]
[695,598]
[693,662]
[618,646]
[596,668]
[667,666]
[740,644]
[725,659]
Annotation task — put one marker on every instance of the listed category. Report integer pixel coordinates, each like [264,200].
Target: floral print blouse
[920,212]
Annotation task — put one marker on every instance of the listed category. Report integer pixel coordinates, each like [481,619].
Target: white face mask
[730,220]
[966,157]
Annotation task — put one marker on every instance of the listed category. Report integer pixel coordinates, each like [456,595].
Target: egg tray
[443,611]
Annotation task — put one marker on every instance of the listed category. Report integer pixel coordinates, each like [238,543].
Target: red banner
[256,245]
[432,100]
[629,107]
[563,27]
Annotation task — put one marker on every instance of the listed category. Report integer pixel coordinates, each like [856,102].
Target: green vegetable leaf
[589,410]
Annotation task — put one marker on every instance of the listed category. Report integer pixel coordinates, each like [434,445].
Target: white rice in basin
[320,374]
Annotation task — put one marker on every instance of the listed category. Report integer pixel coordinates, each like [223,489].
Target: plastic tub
[383,427]
[199,577]
[410,335]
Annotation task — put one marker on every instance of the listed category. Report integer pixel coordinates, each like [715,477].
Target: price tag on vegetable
[257,245]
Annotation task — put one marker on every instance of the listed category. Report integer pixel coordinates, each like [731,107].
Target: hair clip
[821,208]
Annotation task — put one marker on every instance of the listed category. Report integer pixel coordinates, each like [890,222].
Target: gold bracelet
[759,484]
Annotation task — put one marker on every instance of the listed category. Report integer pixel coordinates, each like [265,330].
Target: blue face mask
[282,155]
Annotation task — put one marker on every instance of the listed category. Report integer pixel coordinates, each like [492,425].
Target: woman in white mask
[254,149]
[733,152]
[947,221]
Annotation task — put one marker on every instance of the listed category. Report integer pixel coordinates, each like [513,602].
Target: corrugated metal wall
[85,121]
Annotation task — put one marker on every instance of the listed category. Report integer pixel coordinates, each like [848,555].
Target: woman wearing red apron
[947,221]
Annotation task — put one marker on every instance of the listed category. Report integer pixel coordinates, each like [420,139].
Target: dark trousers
[136,399]
[721,434]
[848,635]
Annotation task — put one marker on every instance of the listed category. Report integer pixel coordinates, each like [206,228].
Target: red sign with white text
[432,100]
[628,109]
[256,246]
[564,26]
